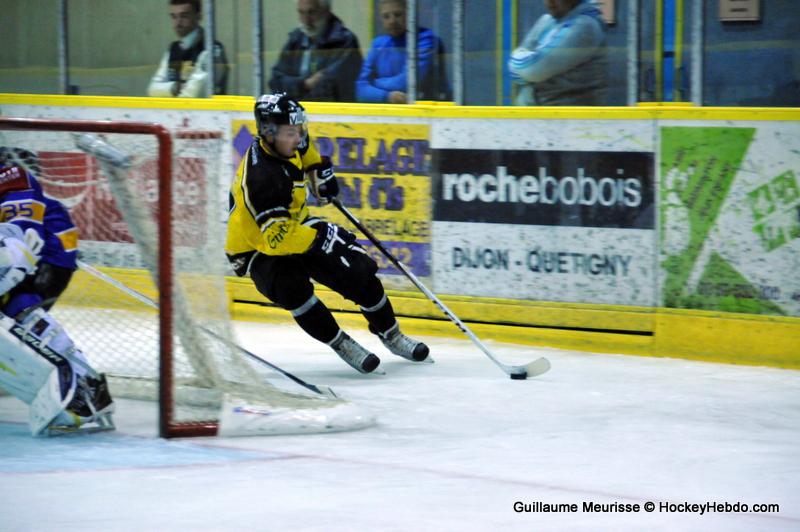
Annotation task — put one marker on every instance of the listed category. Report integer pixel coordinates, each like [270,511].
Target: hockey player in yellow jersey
[272,237]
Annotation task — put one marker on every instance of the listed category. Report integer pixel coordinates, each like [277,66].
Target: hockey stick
[532,369]
[322,390]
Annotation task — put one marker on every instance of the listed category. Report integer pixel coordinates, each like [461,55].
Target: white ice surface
[457,444]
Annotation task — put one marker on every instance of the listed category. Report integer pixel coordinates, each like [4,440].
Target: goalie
[24,203]
[272,236]
[39,364]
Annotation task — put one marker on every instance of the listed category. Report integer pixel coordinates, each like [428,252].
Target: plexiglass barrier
[481,52]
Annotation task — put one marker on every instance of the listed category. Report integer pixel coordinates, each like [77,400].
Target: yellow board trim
[660,332]
[645,111]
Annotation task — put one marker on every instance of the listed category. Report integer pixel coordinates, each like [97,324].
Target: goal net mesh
[111,183]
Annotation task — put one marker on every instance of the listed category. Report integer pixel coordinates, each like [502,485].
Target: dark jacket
[336,52]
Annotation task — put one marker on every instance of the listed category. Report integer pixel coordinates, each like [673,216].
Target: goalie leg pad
[48,406]
[91,403]
[42,330]
[36,376]
[59,385]
[24,369]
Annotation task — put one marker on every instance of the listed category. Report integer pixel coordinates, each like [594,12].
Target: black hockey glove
[331,239]
[323,180]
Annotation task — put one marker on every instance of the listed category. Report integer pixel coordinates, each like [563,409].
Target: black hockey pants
[286,281]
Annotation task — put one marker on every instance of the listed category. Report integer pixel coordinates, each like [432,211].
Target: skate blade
[63,430]
[100,423]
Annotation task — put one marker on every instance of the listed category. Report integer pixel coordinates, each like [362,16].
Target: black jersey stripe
[275,212]
[272,221]
[245,192]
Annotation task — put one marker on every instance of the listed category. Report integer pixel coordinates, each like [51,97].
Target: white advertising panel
[547,263]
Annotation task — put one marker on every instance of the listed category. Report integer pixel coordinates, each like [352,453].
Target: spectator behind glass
[320,60]
[183,70]
[383,76]
[562,60]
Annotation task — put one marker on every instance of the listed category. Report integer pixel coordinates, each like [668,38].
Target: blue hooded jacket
[384,70]
[563,61]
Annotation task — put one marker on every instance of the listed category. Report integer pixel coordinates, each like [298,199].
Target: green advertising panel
[730,218]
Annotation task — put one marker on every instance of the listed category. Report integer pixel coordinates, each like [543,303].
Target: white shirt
[195,85]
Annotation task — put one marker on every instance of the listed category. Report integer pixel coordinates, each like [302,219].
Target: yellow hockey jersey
[267,205]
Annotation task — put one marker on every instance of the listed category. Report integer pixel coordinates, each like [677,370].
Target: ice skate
[90,410]
[351,352]
[403,346]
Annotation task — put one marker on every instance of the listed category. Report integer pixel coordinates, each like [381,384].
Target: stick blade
[532,369]
[327,391]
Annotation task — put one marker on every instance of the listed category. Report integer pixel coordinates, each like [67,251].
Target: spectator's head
[559,8]
[185,15]
[393,16]
[313,15]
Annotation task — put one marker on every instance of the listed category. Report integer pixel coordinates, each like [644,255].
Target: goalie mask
[19,157]
[274,110]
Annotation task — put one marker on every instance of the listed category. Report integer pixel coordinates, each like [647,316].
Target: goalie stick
[532,369]
[321,390]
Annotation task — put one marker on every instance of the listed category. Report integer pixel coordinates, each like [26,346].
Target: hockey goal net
[146,202]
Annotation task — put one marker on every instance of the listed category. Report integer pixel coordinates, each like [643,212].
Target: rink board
[658,230]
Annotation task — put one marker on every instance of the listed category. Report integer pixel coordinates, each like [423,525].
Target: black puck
[519,376]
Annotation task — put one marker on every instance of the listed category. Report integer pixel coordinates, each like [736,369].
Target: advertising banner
[201,177]
[583,189]
[545,225]
[76,181]
[730,218]
[103,220]
[384,177]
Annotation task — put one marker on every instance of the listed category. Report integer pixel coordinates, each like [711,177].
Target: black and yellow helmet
[273,110]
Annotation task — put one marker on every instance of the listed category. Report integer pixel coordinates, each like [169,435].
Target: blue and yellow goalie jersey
[23,203]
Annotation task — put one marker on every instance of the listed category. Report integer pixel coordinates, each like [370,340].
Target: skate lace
[400,344]
[351,351]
